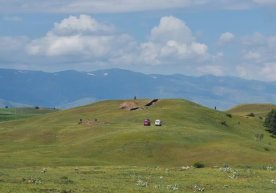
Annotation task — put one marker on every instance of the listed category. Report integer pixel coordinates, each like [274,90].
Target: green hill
[109,135]
[257,109]
[22,112]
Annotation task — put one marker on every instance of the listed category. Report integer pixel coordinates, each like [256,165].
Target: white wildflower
[141,183]
[270,168]
[198,188]
[172,187]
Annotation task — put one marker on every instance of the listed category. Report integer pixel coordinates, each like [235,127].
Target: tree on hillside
[270,121]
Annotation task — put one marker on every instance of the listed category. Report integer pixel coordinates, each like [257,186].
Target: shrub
[223,123]
[198,165]
[251,115]
[266,149]
[65,180]
[270,121]
[229,115]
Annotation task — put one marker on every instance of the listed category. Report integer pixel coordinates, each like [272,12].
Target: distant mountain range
[72,88]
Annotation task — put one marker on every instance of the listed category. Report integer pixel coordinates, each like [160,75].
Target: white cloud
[83,24]
[12,44]
[171,28]
[269,71]
[84,43]
[12,49]
[242,71]
[264,47]
[107,6]
[226,37]
[12,18]
[172,41]
[115,6]
[211,69]
[255,39]
[251,55]
[82,37]
[265,2]
[96,44]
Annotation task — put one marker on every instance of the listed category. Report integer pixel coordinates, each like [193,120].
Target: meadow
[104,148]
[7,114]
[130,179]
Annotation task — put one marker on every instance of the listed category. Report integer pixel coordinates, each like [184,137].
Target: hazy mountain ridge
[72,88]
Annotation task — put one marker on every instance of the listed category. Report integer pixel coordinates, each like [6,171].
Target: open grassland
[190,133]
[7,114]
[137,179]
[259,110]
[110,150]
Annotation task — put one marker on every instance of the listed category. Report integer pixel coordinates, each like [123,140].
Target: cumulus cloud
[172,40]
[256,39]
[252,55]
[242,71]
[81,36]
[226,37]
[269,71]
[84,24]
[171,28]
[264,47]
[84,43]
[258,58]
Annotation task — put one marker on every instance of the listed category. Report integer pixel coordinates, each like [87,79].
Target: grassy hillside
[19,113]
[190,133]
[258,109]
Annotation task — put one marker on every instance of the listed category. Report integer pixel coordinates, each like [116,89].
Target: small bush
[229,115]
[66,191]
[198,165]
[266,149]
[223,123]
[251,115]
[65,180]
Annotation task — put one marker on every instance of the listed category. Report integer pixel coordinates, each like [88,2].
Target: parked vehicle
[146,122]
[158,122]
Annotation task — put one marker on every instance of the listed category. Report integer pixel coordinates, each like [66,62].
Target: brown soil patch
[129,105]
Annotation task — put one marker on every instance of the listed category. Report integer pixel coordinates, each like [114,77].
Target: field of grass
[7,114]
[128,179]
[260,110]
[111,151]
[190,133]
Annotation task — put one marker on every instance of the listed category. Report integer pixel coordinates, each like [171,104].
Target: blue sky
[223,38]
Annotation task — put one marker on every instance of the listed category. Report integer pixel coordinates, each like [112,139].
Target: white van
[158,122]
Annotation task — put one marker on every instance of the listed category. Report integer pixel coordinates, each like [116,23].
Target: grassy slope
[19,113]
[190,133]
[257,109]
